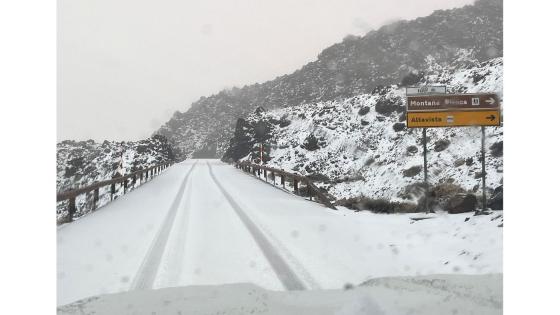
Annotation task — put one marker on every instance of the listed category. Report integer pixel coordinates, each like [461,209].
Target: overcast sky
[124,66]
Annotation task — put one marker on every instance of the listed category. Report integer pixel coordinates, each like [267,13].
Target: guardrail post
[125,184]
[282,181]
[265,177]
[71,208]
[310,191]
[95,197]
[296,188]
[141,176]
[112,190]
[273,178]
[133,180]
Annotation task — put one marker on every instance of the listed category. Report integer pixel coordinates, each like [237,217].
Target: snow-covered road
[203,222]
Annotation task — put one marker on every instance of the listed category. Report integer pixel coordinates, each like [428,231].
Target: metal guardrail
[71,195]
[313,190]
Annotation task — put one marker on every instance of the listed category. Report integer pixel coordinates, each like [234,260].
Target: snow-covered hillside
[360,146]
[82,163]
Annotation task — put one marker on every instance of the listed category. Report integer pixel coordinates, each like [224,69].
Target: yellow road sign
[453,118]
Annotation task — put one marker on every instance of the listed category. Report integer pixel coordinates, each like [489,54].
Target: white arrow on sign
[491,101]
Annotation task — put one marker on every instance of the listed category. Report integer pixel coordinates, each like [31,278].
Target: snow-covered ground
[203,222]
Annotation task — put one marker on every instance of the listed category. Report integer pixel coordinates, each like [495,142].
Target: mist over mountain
[398,53]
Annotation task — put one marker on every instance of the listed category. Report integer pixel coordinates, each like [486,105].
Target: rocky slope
[395,53]
[82,163]
[360,147]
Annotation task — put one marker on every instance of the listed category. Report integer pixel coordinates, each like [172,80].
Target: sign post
[426,90]
[483,152]
[426,189]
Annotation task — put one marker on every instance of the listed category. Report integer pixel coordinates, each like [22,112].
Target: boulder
[411,150]
[284,123]
[441,145]
[386,106]
[461,203]
[364,110]
[442,193]
[497,149]
[311,143]
[496,201]
[412,171]
[398,126]
[459,162]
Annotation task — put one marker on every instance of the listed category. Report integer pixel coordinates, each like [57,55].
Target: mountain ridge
[393,54]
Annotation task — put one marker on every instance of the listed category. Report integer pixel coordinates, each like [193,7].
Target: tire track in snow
[175,249]
[147,272]
[283,271]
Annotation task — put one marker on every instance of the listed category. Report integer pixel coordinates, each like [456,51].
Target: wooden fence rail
[141,175]
[313,190]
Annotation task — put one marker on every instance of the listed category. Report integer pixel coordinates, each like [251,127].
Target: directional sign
[453,118]
[452,102]
[426,89]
